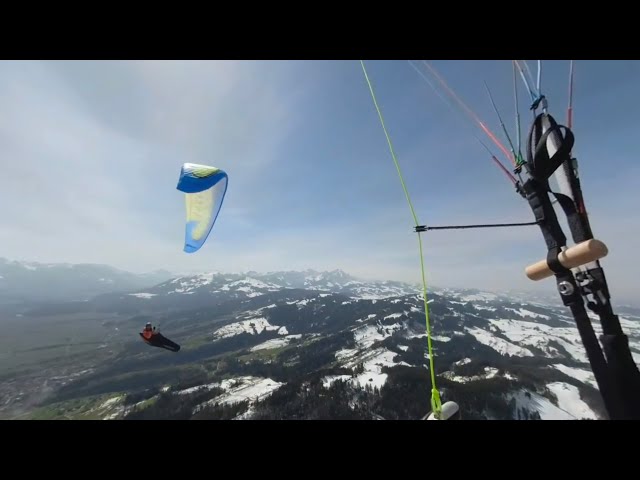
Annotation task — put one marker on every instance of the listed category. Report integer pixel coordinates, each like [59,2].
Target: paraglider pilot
[154,338]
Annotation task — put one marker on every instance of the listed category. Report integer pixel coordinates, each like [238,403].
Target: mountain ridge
[34,281]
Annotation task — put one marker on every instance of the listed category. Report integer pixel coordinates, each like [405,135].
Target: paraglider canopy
[204,188]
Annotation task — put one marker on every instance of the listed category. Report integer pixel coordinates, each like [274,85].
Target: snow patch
[109,403]
[373,363]
[416,335]
[188,284]
[498,344]
[369,334]
[346,353]
[240,389]
[537,403]
[198,388]
[246,388]
[584,376]
[330,379]
[246,415]
[143,295]
[440,338]
[275,343]
[569,400]
[632,326]
[479,297]
[253,326]
[489,372]
[528,313]
[253,283]
[482,307]
[538,335]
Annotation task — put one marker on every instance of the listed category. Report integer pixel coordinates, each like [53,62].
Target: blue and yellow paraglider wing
[204,188]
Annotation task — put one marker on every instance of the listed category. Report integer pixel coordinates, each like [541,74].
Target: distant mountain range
[253,284]
[191,291]
[32,281]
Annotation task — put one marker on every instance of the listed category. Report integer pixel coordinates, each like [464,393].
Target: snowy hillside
[522,334]
[265,344]
[216,283]
[472,329]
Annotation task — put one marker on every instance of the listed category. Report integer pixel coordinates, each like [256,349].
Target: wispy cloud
[90,154]
[91,168]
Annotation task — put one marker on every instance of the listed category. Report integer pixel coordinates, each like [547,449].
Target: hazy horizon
[92,150]
[550,295]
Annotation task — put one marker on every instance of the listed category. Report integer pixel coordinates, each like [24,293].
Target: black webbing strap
[616,374]
[426,228]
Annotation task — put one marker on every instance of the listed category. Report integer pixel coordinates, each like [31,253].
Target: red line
[471,113]
[503,168]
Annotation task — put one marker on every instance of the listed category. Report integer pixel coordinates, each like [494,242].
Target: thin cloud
[91,151]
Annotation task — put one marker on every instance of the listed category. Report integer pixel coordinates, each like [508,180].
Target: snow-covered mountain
[212,290]
[478,337]
[32,281]
[271,339]
[252,284]
[234,286]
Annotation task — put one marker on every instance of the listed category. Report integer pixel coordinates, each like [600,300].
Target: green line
[393,154]
[436,405]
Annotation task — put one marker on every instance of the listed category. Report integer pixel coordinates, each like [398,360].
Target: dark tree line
[140,395]
[173,406]
[221,411]
[309,400]
[166,407]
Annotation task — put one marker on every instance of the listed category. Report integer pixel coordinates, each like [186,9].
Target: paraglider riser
[617,375]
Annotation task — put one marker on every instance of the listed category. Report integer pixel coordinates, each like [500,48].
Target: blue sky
[91,152]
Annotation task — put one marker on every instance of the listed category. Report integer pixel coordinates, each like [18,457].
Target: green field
[26,342]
